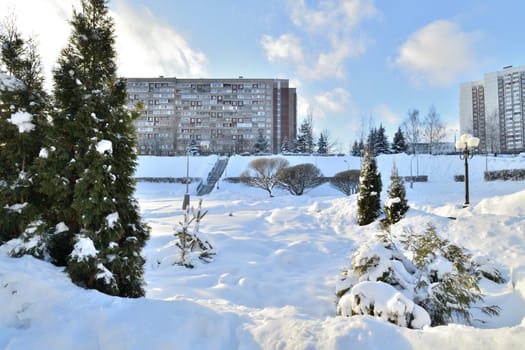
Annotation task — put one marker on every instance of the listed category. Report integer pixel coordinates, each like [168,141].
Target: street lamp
[186,201]
[466,146]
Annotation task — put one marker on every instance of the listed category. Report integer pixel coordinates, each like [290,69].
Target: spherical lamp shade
[464,138]
[473,142]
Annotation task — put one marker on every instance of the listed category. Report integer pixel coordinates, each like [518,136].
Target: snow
[111,219]
[23,121]
[83,249]
[272,282]
[104,146]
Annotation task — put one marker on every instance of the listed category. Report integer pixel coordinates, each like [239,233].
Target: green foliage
[346,181]
[396,206]
[299,178]
[85,178]
[399,144]
[438,276]
[369,197]
[21,96]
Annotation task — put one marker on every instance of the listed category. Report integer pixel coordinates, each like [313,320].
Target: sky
[356,64]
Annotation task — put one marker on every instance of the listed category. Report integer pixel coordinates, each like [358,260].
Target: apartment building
[493,109]
[220,116]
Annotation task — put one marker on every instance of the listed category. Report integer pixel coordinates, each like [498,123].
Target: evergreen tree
[371,141]
[305,139]
[381,145]
[396,205]
[322,144]
[369,197]
[287,146]
[356,152]
[23,108]
[399,144]
[93,222]
[261,143]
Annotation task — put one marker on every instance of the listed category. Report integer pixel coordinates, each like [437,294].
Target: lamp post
[466,146]
[186,201]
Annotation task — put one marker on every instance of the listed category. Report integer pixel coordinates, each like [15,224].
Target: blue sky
[355,63]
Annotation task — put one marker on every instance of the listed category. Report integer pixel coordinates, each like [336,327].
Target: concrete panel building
[221,116]
[493,109]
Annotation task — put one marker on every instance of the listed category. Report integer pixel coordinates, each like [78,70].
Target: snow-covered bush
[191,247]
[437,285]
[299,178]
[346,181]
[262,173]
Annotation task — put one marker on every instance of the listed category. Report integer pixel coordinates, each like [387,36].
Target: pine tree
[381,142]
[94,226]
[23,108]
[396,206]
[261,143]
[322,144]
[399,144]
[369,197]
[355,149]
[305,139]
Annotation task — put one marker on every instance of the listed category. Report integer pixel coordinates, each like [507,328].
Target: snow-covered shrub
[346,181]
[396,205]
[296,179]
[429,281]
[190,245]
[262,173]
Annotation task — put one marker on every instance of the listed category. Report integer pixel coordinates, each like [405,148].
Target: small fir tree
[93,222]
[369,197]
[381,145]
[305,139]
[396,206]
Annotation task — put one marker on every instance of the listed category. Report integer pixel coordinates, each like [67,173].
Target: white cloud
[386,115]
[285,47]
[148,47]
[337,100]
[145,45]
[438,53]
[329,33]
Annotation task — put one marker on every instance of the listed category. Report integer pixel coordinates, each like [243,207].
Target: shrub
[262,173]
[396,206]
[299,178]
[437,285]
[346,181]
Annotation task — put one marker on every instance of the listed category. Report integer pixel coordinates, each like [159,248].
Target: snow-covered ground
[272,282]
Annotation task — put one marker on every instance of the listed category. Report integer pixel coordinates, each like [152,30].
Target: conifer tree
[381,142]
[396,206]
[369,196]
[261,143]
[399,144]
[322,144]
[23,108]
[93,222]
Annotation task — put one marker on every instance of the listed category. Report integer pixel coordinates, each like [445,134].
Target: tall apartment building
[221,116]
[493,109]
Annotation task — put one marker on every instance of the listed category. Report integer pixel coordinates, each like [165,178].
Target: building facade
[219,116]
[493,109]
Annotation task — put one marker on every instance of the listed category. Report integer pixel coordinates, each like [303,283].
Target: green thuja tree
[369,196]
[23,109]
[396,205]
[92,225]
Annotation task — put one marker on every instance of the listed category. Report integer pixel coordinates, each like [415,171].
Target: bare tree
[262,173]
[434,128]
[412,128]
